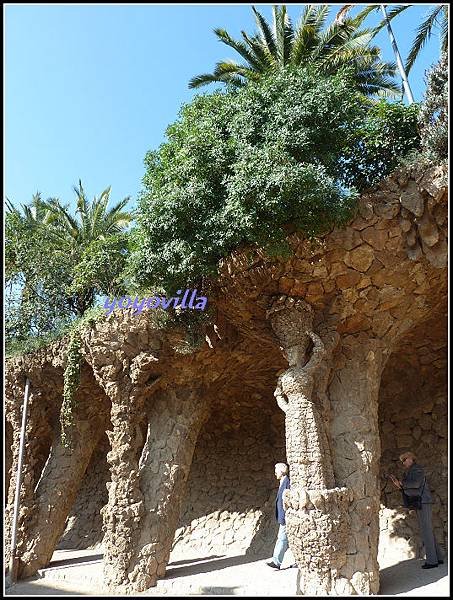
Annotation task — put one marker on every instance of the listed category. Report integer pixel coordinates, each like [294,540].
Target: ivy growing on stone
[71,376]
[71,381]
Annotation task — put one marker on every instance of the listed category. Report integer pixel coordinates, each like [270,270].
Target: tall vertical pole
[12,561]
[399,62]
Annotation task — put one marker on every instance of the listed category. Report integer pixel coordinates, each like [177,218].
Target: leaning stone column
[316,510]
[145,494]
[353,394]
[175,419]
[122,514]
[14,394]
[55,495]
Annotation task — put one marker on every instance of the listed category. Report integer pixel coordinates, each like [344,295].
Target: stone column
[14,395]
[145,494]
[122,514]
[55,494]
[316,510]
[175,419]
[353,394]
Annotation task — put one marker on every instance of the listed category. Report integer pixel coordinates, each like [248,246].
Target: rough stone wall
[229,507]
[84,524]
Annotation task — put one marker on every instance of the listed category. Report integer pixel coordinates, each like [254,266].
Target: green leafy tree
[34,276]
[376,144]
[57,262]
[239,166]
[311,42]
[433,119]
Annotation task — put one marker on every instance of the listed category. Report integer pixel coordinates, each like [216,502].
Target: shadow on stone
[29,587]
[212,565]
[73,562]
[194,560]
[408,575]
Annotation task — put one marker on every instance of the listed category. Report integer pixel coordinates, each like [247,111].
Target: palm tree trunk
[399,62]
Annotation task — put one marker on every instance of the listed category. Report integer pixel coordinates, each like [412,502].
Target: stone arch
[229,505]
[413,416]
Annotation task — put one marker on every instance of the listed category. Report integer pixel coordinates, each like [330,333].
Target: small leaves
[433,118]
[237,166]
[378,142]
[71,383]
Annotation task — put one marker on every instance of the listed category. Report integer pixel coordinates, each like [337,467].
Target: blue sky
[90,88]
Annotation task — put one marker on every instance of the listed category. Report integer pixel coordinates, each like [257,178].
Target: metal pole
[12,560]
[399,62]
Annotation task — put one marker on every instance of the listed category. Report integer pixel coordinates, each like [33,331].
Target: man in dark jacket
[281,546]
[414,483]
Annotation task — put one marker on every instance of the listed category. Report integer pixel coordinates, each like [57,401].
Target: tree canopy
[57,262]
[238,166]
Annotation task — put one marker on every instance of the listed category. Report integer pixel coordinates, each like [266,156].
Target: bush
[238,166]
[377,144]
[433,119]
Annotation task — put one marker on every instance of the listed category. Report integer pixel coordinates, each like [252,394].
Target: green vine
[71,383]
[71,377]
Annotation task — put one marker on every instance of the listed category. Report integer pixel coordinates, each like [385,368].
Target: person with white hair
[281,545]
[417,495]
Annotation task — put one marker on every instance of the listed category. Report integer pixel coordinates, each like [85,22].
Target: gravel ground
[79,573]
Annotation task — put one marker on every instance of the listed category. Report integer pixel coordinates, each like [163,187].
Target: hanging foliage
[70,385]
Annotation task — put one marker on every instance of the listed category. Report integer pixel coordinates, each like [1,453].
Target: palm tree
[72,234]
[329,48]
[437,16]
[92,221]
[69,234]
[33,214]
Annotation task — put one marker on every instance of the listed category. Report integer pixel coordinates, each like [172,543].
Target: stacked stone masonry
[334,359]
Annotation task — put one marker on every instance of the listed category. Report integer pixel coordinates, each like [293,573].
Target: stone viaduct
[333,359]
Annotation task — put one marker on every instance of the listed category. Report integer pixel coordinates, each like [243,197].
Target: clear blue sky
[90,88]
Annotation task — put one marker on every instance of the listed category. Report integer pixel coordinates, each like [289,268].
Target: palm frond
[423,34]
[320,17]
[342,13]
[261,52]
[240,47]
[444,30]
[10,207]
[227,68]
[201,80]
[333,37]
[266,33]
[304,36]
[283,34]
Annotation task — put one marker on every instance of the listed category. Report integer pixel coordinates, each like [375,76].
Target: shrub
[376,145]
[237,166]
[433,118]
